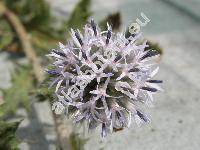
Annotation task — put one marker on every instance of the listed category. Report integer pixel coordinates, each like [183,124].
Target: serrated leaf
[18,94]
[8,141]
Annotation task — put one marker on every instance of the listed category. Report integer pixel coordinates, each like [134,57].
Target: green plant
[7,135]
[19,93]
[80,15]
[113,19]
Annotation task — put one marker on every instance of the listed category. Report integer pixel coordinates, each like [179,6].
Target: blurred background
[30,28]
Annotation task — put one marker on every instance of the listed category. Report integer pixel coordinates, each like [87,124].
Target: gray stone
[37,130]
[6,68]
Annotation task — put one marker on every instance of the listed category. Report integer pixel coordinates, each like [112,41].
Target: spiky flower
[101,77]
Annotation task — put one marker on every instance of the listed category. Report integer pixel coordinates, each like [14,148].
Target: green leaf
[19,93]
[154,46]
[32,13]
[35,15]
[6,34]
[44,93]
[7,135]
[80,15]
[113,19]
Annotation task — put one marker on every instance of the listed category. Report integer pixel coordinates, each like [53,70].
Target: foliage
[36,17]
[154,46]
[7,135]
[34,14]
[113,19]
[79,15]
[43,93]
[6,34]
[18,94]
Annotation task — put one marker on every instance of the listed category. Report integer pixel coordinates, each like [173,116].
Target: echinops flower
[101,77]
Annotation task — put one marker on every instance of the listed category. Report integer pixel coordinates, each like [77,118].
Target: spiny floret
[100,77]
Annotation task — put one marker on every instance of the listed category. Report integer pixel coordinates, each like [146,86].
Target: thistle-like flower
[100,77]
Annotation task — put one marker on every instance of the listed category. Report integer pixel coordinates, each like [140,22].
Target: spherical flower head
[101,77]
